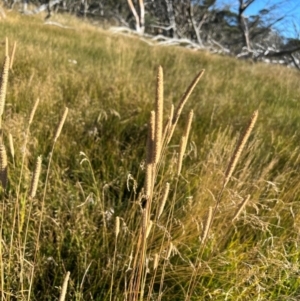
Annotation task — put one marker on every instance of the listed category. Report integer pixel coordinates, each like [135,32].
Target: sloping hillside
[92,177]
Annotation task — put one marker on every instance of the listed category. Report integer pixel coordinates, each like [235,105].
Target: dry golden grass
[35,177]
[239,148]
[3,85]
[3,166]
[92,217]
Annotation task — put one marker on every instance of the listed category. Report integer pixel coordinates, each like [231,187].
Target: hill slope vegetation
[201,238]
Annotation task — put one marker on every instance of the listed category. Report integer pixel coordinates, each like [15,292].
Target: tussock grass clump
[143,194]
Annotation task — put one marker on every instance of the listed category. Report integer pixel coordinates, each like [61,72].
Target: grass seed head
[35,177]
[239,148]
[61,124]
[3,84]
[159,115]
[3,166]
[163,202]
[63,293]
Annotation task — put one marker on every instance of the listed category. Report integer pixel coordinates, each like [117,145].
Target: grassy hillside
[92,177]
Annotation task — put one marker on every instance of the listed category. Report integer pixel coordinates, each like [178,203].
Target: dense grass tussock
[106,196]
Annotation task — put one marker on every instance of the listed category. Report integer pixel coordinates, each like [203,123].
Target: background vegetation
[97,171]
[251,29]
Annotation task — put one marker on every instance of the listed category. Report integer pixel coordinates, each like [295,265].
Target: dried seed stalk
[241,208]
[171,247]
[183,101]
[183,142]
[33,111]
[207,224]
[164,199]
[11,146]
[61,124]
[188,125]
[149,179]
[159,114]
[239,148]
[150,139]
[155,261]
[168,124]
[3,84]
[117,230]
[150,155]
[6,46]
[149,227]
[35,177]
[3,166]
[181,153]
[12,56]
[63,293]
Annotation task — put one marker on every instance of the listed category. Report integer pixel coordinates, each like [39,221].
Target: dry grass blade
[61,124]
[183,142]
[35,177]
[181,153]
[207,224]
[117,228]
[32,113]
[63,293]
[159,114]
[186,95]
[170,249]
[155,261]
[239,148]
[3,84]
[149,227]
[163,202]
[150,155]
[241,208]
[168,124]
[12,56]
[183,101]
[188,124]
[150,139]
[6,46]
[11,147]
[3,166]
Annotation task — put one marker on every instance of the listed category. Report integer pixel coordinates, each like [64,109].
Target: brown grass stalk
[63,293]
[188,125]
[159,114]
[117,228]
[6,46]
[182,102]
[11,147]
[241,208]
[3,166]
[150,156]
[207,224]
[32,113]
[61,124]
[163,201]
[12,56]
[149,227]
[168,124]
[3,84]
[239,148]
[181,154]
[35,177]
[155,261]
[183,142]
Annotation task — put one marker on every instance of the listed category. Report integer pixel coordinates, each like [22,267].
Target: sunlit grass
[98,165]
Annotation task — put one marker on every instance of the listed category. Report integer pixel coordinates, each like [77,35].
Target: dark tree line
[206,24]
